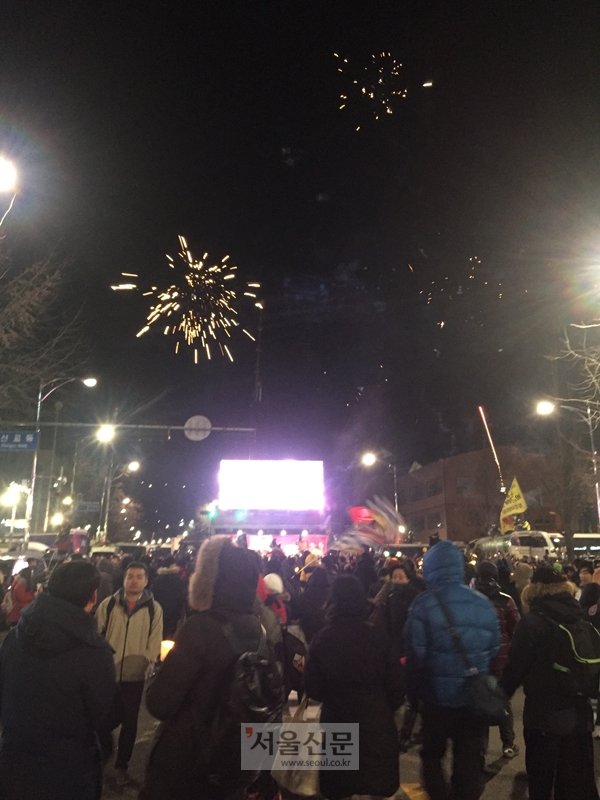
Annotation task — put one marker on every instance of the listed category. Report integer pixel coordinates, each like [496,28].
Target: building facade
[459,498]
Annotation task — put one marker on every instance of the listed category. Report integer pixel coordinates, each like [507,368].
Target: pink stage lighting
[271,485]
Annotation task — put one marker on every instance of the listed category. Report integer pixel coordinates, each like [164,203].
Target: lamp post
[44,395]
[8,182]
[105,434]
[370,459]
[546,407]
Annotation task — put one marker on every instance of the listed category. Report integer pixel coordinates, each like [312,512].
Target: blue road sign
[18,441]
[88,508]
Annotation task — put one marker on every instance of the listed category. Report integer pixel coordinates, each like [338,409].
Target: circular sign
[197,428]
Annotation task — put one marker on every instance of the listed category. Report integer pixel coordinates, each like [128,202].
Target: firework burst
[379,84]
[198,307]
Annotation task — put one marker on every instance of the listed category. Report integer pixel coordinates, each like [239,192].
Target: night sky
[411,270]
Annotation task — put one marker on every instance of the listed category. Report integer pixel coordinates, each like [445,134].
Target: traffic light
[213,513]
[240,515]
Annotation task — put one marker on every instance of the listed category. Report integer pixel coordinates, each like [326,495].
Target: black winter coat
[351,671]
[530,660]
[170,592]
[57,686]
[195,677]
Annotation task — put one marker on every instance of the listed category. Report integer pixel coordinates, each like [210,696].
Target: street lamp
[57,519]
[8,175]
[8,182]
[11,498]
[105,433]
[546,407]
[370,459]
[54,384]
[67,501]
[133,466]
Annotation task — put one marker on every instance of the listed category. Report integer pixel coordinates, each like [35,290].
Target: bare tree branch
[38,340]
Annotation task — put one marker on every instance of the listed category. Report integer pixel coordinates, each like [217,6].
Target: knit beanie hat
[274,583]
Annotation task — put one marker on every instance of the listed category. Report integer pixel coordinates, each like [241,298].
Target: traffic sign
[197,428]
[18,441]
[88,508]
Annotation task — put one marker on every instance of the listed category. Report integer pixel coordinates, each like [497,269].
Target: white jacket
[135,641]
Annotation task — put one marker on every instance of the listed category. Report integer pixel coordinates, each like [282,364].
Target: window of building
[417,492]
[434,487]
[417,524]
[434,521]
[465,486]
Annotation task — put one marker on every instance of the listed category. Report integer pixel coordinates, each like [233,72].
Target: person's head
[443,564]
[586,572]
[25,576]
[114,559]
[274,583]
[135,579]
[226,577]
[486,572]
[75,582]
[348,599]
[399,574]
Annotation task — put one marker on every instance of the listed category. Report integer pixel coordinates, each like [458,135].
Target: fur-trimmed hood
[225,578]
[534,592]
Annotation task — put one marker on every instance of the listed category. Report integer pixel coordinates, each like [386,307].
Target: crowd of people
[373,640]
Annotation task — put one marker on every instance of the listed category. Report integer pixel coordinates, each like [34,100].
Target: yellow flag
[513,504]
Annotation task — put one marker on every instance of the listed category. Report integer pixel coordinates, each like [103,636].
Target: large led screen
[271,485]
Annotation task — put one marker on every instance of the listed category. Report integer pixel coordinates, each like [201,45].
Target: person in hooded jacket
[436,673]
[57,686]
[351,670]
[169,591]
[486,582]
[557,723]
[193,679]
[309,607]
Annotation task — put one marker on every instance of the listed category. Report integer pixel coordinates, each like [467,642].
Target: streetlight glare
[545,407]
[133,466]
[369,459]
[126,501]
[10,497]
[67,501]
[57,519]
[105,433]
[8,175]
[91,382]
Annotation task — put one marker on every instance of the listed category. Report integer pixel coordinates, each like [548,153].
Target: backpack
[295,648]
[252,693]
[575,653]
[109,609]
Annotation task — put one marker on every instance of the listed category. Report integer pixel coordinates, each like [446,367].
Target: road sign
[88,508]
[18,441]
[197,428]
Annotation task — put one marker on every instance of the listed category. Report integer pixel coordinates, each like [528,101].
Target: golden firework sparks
[199,304]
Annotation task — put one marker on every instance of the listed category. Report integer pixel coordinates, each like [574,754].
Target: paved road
[506,778]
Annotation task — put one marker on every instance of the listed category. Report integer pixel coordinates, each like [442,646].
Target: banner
[513,504]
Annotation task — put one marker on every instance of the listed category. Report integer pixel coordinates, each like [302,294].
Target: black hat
[546,574]
[487,571]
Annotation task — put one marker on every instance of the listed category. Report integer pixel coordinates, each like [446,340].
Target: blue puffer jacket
[435,672]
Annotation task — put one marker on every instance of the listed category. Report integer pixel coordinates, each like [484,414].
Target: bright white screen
[271,485]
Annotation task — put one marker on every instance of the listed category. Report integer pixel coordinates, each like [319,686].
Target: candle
[165,646]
